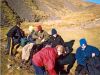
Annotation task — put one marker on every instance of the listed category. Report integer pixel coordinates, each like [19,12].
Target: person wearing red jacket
[45,59]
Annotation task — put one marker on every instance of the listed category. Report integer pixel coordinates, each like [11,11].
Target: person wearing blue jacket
[83,53]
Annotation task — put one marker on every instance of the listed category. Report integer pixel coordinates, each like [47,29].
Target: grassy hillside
[80,3]
[8,16]
[57,10]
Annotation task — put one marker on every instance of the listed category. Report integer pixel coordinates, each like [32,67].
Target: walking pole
[10,47]
[59,73]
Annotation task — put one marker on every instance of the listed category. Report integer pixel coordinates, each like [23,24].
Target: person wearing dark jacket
[55,39]
[83,53]
[13,37]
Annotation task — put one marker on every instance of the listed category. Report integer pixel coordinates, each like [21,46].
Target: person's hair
[18,20]
[62,49]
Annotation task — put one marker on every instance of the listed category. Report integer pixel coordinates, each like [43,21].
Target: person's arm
[22,33]
[52,72]
[50,68]
[34,35]
[50,64]
[95,52]
[19,33]
[46,35]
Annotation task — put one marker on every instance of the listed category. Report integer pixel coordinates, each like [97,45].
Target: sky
[94,1]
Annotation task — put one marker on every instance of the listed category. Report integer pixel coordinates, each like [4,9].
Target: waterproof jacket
[42,34]
[46,57]
[15,32]
[56,40]
[83,55]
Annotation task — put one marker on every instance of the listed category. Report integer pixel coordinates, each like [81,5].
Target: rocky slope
[42,10]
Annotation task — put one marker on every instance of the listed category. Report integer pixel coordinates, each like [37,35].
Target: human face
[37,30]
[60,52]
[83,46]
[55,35]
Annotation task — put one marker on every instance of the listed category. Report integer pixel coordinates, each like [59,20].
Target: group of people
[48,53]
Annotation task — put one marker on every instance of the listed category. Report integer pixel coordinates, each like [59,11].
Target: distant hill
[43,10]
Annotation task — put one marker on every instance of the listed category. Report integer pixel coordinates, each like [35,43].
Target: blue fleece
[82,55]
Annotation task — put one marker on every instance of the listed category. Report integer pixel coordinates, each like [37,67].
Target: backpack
[23,41]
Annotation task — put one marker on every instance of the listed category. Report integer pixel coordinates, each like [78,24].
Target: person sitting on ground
[28,47]
[31,32]
[13,37]
[40,35]
[45,60]
[83,53]
[55,39]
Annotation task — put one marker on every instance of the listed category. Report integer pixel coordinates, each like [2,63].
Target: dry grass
[79,17]
[80,3]
[7,14]
[68,33]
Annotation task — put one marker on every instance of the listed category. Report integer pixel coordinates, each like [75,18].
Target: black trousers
[81,70]
[11,42]
[65,60]
[8,43]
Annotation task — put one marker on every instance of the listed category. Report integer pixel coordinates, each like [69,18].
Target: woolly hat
[83,41]
[53,31]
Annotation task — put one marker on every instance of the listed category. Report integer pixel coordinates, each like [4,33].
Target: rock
[9,66]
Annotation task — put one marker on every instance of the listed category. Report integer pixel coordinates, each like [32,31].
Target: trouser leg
[69,67]
[26,51]
[8,44]
[14,50]
[39,70]
[78,69]
[12,47]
